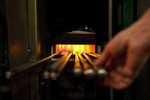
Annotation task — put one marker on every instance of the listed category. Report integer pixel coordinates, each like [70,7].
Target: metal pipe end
[77,72]
[102,72]
[54,75]
[89,73]
[46,75]
[8,74]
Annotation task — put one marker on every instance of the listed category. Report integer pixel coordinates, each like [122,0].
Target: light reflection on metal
[83,64]
[53,66]
[88,70]
[90,61]
[100,71]
[56,73]
[77,70]
[18,69]
[94,55]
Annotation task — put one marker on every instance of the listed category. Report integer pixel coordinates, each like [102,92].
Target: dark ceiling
[72,15]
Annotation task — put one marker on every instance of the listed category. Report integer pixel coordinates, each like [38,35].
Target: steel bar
[94,55]
[100,71]
[90,61]
[53,66]
[77,70]
[18,69]
[88,70]
[56,73]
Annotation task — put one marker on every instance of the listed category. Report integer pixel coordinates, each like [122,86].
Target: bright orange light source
[74,48]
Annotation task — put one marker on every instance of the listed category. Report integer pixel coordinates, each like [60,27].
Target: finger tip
[96,62]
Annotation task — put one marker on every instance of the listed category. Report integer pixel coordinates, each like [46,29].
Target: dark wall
[17,31]
[142,83]
[23,86]
[142,5]
[75,14]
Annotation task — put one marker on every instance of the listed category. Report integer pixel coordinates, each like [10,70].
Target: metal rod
[90,61]
[63,63]
[77,70]
[110,15]
[100,71]
[94,55]
[110,31]
[53,66]
[18,69]
[56,73]
[88,70]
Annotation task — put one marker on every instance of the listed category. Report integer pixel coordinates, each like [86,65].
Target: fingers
[127,53]
[136,58]
[101,61]
[114,48]
[126,57]
[117,80]
[124,73]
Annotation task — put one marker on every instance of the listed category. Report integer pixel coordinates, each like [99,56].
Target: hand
[125,55]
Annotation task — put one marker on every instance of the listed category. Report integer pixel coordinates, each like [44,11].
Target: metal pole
[21,68]
[94,55]
[53,66]
[56,73]
[100,71]
[77,71]
[110,11]
[88,70]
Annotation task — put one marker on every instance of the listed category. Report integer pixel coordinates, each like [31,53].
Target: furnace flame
[74,48]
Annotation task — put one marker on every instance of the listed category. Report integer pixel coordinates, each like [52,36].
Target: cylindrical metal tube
[88,70]
[100,71]
[77,70]
[94,55]
[90,61]
[52,67]
[55,73]
[55,64]
[18,69]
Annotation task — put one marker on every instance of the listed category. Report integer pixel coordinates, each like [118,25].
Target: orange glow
[74,48]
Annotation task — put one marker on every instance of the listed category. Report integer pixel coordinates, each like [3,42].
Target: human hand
[125,55]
